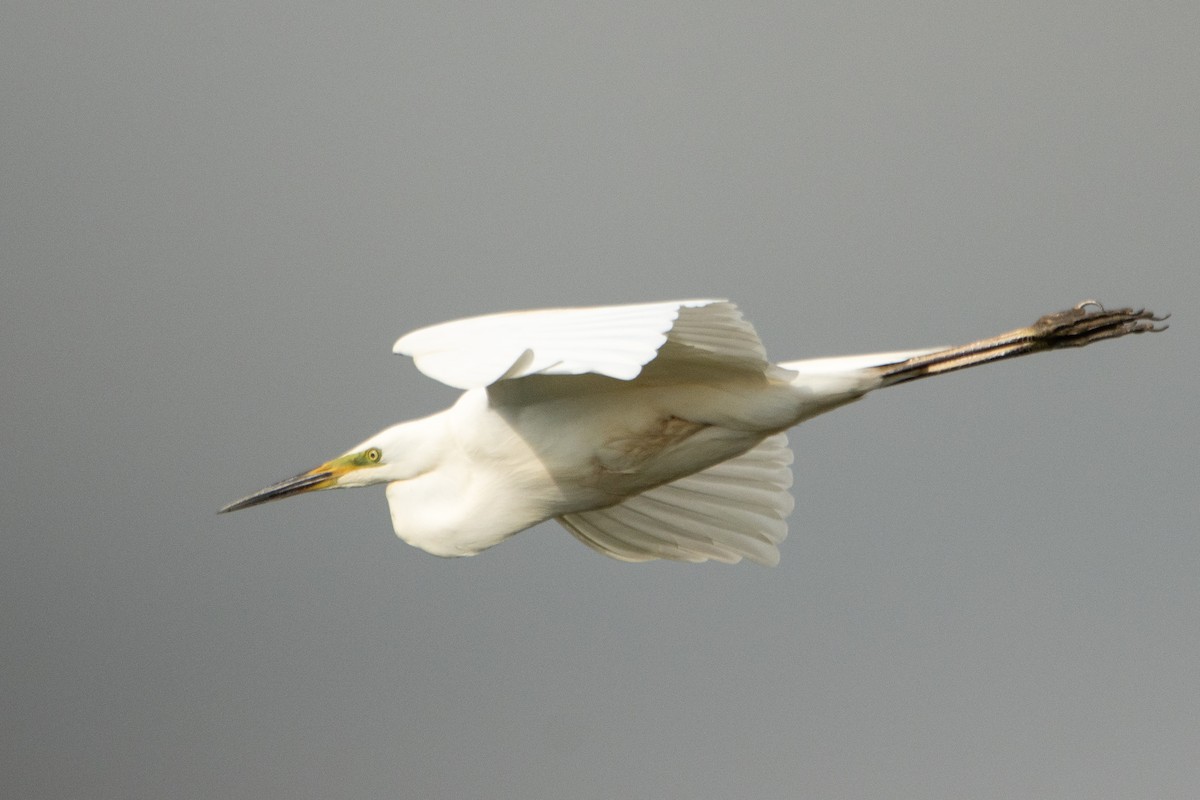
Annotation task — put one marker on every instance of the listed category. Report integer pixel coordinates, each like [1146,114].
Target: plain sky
[215,219]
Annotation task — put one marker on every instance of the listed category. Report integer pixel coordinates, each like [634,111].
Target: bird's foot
[1091,322]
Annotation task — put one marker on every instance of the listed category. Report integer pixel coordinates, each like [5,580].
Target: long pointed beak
[323,477]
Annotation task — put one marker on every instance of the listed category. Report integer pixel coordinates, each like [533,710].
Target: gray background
[218,217]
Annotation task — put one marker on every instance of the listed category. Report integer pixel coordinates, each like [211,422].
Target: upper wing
[731,510]
[616,341]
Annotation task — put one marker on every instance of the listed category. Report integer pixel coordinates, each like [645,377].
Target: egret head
[387,456]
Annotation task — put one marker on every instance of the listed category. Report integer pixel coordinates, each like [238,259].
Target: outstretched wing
[615,341]
[735,509]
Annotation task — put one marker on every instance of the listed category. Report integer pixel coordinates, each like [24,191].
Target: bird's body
[648,431]
[506,463]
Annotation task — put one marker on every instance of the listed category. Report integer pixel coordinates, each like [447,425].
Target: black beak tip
[245,502]
[296,485]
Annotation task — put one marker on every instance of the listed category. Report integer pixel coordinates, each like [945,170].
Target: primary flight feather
[648,431]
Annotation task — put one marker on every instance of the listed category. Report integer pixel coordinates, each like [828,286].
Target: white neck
[485,486]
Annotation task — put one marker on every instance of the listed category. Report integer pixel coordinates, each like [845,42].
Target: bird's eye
[373,455]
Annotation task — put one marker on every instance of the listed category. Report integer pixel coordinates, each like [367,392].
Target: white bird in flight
[648,431]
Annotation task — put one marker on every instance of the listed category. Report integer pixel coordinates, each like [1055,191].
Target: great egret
[648,431]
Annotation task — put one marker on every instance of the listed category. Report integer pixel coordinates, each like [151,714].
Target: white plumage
[615,341]
[731,510]
[648,431]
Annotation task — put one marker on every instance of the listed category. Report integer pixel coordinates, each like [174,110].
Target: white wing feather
[616,341]
[734,510]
